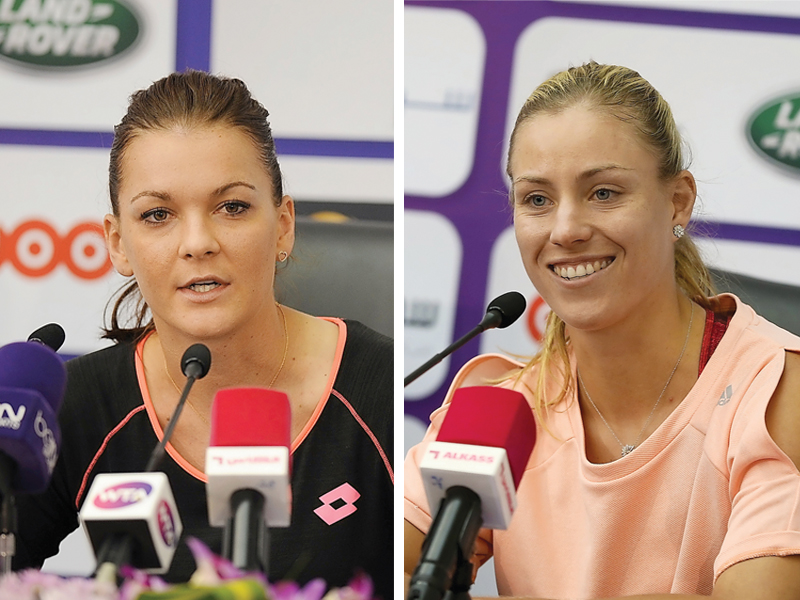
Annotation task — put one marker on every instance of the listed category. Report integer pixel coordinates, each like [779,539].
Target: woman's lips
[577,270]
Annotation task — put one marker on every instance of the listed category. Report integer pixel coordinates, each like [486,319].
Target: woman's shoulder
[747,326]
[366,366]
[368,348]
[366,339]
[104,373]
[487,369]
[99,362]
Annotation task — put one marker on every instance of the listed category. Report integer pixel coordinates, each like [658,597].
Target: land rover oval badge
[774,132]
[59,34]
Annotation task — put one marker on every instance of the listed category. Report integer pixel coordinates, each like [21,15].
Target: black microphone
[51,335]
[501,312]
[195,363]
[132,518]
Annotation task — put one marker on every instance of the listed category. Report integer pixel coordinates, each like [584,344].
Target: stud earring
[283,255]
[678,231]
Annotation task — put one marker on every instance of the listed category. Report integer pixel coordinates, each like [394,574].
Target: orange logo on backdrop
[35,248]
[537,317]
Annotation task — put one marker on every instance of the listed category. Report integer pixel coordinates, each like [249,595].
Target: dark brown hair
[187,100]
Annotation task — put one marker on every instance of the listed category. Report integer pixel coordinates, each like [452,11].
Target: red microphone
[248,469]
[471,473]
[484,443]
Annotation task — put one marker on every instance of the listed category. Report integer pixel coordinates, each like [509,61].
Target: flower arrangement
[214,579]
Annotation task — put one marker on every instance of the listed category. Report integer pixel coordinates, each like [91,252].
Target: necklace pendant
[627,449]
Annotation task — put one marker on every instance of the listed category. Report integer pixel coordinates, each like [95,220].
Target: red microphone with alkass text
[470,472]
[248,465]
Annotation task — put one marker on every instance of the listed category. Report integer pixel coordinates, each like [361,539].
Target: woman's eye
[537,200]
[235,207]
[155,215]
[603,194]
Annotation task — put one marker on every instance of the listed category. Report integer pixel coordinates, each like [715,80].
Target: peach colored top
[709,488]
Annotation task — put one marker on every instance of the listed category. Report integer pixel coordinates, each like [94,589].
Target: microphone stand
[8,525]
[462,580]
[447,548]
[8,516]
[491,319]
[245,540]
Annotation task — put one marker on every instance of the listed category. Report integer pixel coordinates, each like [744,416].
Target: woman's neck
[625,367]
[255,357]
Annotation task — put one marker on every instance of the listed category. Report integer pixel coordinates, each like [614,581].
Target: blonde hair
[626,95]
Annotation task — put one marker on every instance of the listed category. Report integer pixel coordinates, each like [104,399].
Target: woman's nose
[198,237]
[570,223]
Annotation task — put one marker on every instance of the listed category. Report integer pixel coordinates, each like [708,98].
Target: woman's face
[592,218]
[199,229]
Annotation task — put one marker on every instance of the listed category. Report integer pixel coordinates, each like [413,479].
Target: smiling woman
[199,223]
[665,463]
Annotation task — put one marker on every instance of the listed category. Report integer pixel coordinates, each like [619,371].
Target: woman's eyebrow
[152,194]
[587,174]
[222,189]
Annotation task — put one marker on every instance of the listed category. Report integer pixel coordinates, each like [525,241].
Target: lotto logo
[35,248]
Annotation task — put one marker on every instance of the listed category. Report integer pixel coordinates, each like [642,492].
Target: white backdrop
[468,68]
[323,70]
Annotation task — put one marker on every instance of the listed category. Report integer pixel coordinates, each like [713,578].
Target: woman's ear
[116,248]
[684,194]
[286,220]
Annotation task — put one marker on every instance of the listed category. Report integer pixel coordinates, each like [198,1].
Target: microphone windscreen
[33,367]
[196,361]
[250,417]
[495,417]
[510,305]
[51,335]
[29,436]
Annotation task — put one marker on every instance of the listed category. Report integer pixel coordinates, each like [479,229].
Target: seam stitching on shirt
[102,449]
[368,431]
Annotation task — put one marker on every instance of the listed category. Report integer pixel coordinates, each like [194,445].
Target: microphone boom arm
[491,319]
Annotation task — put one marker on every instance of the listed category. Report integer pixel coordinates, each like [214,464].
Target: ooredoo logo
[538,312]
[35,248]
[166,523]
[123,494]
[774,132]
[59,34]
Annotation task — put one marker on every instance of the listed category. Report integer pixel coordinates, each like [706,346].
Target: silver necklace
[628,448]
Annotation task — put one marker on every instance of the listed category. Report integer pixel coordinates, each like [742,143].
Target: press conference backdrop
[727,69]
[323,69]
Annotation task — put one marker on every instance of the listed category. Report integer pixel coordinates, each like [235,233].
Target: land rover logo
[774,131]
[65,33]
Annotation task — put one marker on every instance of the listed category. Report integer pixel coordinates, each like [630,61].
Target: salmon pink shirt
[708,489]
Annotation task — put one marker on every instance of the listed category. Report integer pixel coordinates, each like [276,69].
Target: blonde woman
[665,465]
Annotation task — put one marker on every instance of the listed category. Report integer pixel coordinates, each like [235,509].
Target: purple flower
[35,585]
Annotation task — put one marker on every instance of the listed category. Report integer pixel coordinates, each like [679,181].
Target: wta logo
[123,494]
[35,249]
[166,524]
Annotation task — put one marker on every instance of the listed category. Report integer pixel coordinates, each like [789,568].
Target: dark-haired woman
[199,222]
